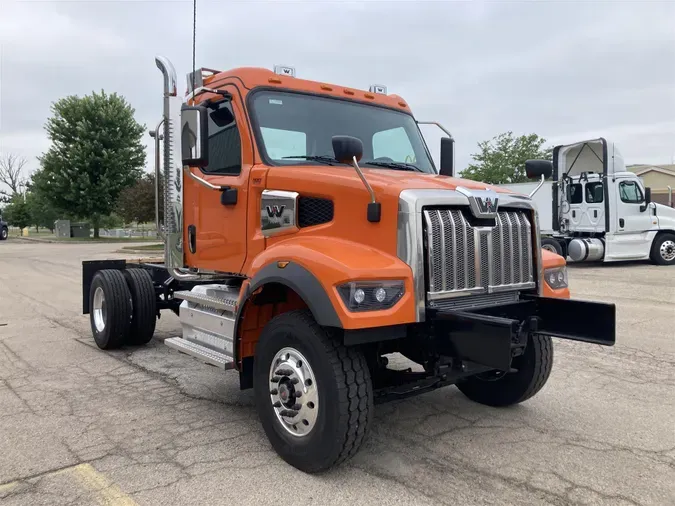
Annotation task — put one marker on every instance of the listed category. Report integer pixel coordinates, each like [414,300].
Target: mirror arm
[201,181]
[204,89]
[447,132]
[541,183]
[364,180]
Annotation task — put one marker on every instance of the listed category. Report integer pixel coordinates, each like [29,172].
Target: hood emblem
[483,203]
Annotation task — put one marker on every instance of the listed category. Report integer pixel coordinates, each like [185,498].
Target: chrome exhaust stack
[173,169]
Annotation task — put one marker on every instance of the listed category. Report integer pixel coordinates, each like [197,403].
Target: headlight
[371,295]
[556,277]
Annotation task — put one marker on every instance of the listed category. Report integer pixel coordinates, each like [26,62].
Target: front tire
[4,233]
[663,250]
[332,414]
[504,389]
[552,245]
[109,309]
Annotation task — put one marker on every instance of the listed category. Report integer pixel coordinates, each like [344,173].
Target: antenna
[194,41]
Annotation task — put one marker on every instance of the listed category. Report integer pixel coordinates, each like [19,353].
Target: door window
[630,192]
[594,193]
[224,141]
[575,195]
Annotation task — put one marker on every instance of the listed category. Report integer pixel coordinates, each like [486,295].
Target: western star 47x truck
[593,209]
[308,235]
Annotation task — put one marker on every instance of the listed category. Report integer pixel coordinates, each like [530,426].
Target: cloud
[564,70]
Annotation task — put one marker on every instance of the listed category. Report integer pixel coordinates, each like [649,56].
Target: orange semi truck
[309,235]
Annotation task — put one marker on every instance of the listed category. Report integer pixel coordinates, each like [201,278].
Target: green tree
[501,160]
[42,212]
[16,213]
[137,202]
[96,152]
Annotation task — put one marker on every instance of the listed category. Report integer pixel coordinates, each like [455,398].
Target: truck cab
[593,209]
[309,236]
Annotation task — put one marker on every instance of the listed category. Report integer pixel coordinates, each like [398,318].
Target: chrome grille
[463,259]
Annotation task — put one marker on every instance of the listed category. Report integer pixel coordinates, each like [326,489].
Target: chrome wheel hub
[99,309]
[667,250]
[548,247]
[294,392]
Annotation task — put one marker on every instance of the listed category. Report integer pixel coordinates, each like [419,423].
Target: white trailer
[593,209]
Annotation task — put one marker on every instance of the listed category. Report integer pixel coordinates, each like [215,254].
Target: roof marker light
[283,70]
[378,88]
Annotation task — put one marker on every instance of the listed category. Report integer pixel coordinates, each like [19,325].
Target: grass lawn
[146,247]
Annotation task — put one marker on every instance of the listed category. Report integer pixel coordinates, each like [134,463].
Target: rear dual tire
[122,308]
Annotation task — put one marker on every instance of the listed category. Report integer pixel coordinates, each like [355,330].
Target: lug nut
[274,391]
[276,379]
[277,404]
[297,407]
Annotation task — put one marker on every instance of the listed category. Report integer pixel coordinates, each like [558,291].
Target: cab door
[633,238]
[215,220]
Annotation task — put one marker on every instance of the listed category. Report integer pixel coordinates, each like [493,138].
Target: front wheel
[3,233]
[552,245]
[313,395]
[663,250]
[503,389]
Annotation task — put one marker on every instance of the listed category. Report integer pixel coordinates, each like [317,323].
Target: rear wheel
[503,389]
[313,395]
[663,250]
[144,306]
[3,233]
[109,309]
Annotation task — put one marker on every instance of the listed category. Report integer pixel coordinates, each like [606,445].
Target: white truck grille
[463,259]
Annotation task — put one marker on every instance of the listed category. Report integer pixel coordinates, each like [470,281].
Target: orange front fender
[331,262]
[549,261]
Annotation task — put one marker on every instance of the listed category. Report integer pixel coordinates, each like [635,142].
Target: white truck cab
[593,209]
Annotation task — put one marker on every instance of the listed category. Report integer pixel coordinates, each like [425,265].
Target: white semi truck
[593,209]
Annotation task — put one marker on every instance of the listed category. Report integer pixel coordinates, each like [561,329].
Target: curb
[56,241]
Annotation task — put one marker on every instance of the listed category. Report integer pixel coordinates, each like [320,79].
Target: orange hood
[385,182]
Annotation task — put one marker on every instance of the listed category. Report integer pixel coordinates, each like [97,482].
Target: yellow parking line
[7,487]
[107,493]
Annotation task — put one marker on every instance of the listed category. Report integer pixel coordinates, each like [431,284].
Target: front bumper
[492,336]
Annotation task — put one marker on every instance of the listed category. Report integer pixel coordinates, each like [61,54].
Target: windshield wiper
[317,158]
[395,165]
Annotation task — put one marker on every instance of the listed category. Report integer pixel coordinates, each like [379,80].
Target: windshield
[295,128]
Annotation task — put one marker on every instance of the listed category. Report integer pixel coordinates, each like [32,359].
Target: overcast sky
[565,70]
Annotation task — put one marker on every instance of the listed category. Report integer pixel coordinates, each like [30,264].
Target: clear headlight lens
[556,277]
[371,295]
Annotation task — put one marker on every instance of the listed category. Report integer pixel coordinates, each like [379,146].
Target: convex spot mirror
[194,136]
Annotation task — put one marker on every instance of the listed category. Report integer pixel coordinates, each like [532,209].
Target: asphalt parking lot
[152,426]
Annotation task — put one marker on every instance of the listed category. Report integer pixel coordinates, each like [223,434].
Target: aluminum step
[221,297]
[200,352]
